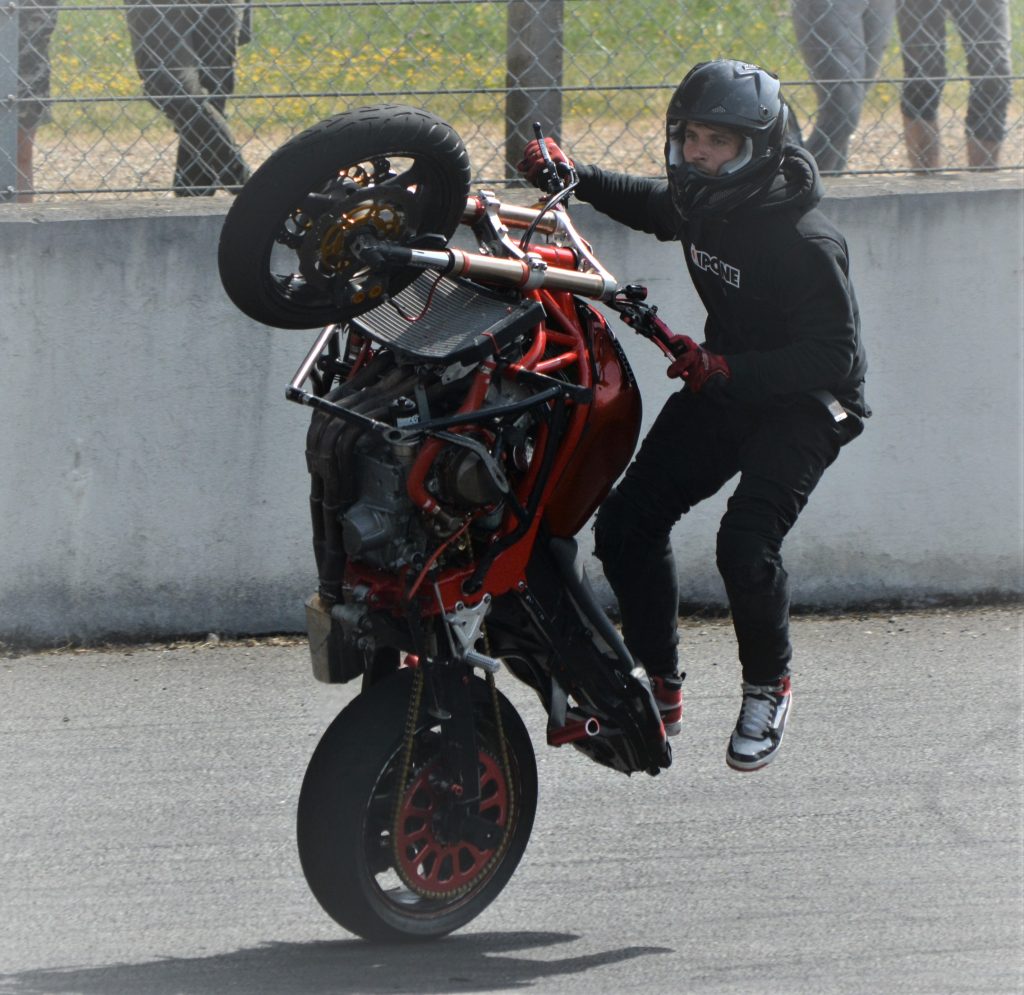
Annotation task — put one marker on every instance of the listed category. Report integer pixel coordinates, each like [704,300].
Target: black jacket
[774,277]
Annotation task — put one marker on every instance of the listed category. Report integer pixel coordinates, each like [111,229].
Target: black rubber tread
[336,791]
[304,164]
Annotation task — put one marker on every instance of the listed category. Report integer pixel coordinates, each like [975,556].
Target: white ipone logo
[712,264]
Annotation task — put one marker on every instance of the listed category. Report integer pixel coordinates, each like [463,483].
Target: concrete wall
[153,478]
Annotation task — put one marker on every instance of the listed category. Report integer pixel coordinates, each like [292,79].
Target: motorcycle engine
[378,528]
[381,526]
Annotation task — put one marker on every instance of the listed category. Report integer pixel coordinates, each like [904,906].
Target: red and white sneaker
[758,733]
[668,693]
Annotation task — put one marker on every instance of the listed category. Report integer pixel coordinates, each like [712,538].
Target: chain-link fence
[112,99]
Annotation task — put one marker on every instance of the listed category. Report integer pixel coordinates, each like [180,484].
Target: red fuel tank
[608,440]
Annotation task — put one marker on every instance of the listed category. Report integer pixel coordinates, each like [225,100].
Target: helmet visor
[675,152]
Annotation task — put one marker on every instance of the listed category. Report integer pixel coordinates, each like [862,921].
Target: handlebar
[529,273]
[521,268]
[511,215]
[518,267]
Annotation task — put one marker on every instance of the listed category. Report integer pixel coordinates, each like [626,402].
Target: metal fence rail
[119,99]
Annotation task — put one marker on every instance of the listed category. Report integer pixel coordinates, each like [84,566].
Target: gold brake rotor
[386,218]
[325,256]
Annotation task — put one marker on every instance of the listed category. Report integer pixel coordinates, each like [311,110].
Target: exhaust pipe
[573,731]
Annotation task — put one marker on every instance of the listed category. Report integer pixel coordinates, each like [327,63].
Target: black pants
[694,447]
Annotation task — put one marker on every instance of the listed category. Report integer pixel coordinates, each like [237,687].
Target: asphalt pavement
[147,800]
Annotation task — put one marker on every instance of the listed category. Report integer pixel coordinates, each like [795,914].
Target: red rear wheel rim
[443,867]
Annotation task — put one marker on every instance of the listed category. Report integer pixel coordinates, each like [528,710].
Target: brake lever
[558,186]
[553,181]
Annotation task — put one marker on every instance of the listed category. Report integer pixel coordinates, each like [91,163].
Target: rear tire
[346,818]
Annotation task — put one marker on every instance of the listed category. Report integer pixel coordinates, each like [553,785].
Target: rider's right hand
[702,370]
[533,164]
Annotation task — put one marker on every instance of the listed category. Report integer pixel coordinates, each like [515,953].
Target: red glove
[698,367]
[532,165]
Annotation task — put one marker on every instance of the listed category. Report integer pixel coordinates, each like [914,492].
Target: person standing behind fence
[984,28]
[185,55]
[36,22]
[842,42]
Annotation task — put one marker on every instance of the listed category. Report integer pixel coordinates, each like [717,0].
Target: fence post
[8,99]
[534,59]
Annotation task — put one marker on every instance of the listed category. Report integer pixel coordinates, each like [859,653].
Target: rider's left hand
[702,370]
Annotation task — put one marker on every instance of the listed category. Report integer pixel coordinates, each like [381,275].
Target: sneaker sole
[743,768]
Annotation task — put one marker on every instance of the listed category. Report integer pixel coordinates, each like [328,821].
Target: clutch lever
[631,304]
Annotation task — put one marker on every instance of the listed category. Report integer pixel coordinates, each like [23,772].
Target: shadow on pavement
[477,962]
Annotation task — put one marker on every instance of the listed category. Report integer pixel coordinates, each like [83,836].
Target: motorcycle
[471,408]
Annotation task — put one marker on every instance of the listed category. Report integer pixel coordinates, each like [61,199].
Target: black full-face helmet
[735,95]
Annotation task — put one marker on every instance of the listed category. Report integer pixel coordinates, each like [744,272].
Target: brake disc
[325,256]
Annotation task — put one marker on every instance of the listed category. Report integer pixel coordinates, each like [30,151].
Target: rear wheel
[285,248]
[370,825]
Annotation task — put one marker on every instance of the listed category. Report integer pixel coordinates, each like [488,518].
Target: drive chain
[411,721]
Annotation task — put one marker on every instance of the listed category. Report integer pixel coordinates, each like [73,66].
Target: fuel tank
[609,436]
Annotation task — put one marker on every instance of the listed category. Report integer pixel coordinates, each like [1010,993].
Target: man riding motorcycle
[772,394]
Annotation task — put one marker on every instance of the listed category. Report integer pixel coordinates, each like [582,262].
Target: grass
[431,48]
[622,59]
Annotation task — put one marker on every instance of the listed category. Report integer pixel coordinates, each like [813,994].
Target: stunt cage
[448,315]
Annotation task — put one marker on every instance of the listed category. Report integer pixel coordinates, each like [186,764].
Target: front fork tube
[457,775]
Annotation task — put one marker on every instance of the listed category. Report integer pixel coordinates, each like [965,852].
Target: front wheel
[286,248]
[370,833]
